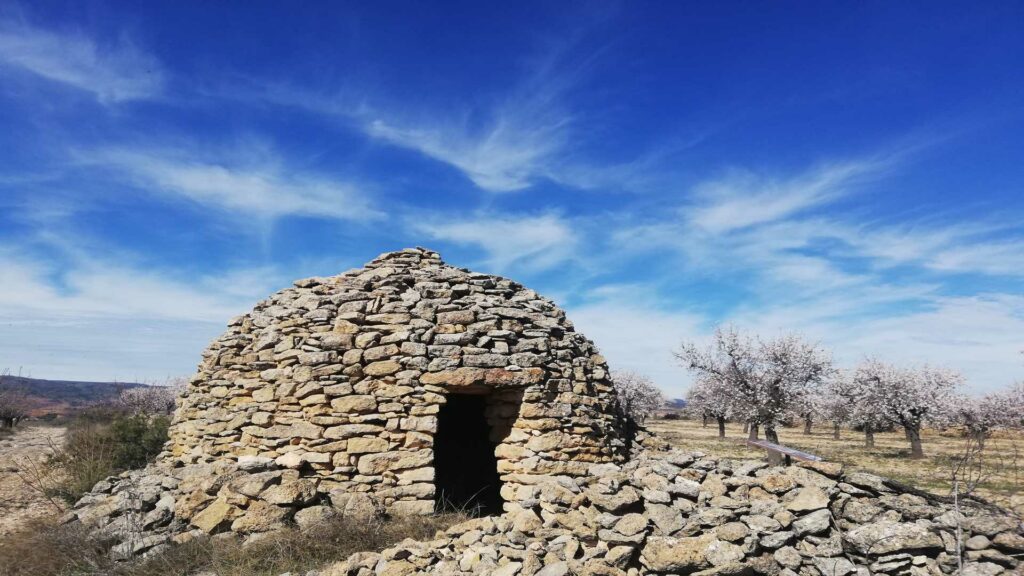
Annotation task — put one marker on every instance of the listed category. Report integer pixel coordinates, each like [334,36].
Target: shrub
[137,440]
[100,444]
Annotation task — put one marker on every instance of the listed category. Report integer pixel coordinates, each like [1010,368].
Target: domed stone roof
[382,379]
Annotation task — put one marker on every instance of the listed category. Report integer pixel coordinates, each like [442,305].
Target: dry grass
[291,551]
[46,549]
[1002,463]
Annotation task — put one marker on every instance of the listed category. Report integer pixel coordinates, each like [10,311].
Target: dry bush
[295,551]
[101,444]
[45,549]
[14,405]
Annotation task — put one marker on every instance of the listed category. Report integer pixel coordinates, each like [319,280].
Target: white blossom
[999,410]
[706,398]
[910,397]
[638,396]
[151,400]
[765,380]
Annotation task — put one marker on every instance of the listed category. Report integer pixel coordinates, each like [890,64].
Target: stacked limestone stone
[687,513]
[342,378]
[329,392]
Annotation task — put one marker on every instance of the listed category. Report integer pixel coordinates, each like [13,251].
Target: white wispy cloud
[979,335]
[34,289]
[743,199]
[636,333]
[524,242]
[995,257]
[507,145]
[112,72]
[793,260]
[502,142]
[84,317]
[251,181]
[509,153]
[793,226]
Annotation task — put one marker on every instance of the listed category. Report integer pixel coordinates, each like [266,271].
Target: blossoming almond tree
[707,398]
[638,396]
[813,406]
[998,410]
[1015,397]
[839,399]
[765,379]
[151,400]
[866,412]
[911,397]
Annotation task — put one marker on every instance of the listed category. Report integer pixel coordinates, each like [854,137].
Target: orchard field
[1001,462]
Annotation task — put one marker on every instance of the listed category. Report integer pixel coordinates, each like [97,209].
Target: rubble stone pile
[688,513]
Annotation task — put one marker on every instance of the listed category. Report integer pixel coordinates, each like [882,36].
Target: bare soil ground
[20,457]
[1001,469]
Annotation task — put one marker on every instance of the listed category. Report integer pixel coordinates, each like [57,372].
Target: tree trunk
[774,458]
[808,421]
[835,430]
[721,427]
[704,421]
[869,437]
[979,437]
[753,431]
[914,435]
[746,427]
[906,432]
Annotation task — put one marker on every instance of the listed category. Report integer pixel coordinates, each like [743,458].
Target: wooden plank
[791,452]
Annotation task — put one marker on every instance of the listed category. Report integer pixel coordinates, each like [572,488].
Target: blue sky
[852,171]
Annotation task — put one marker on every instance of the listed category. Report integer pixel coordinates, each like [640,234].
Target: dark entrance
[464,461]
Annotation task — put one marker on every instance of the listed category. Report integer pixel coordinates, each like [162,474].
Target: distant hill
[677,403]
[58,397]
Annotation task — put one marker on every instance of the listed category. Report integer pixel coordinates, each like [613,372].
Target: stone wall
[341,379]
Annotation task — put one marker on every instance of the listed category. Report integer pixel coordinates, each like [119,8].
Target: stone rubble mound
[688,513]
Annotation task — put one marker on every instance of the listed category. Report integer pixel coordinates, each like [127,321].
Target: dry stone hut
[410,381]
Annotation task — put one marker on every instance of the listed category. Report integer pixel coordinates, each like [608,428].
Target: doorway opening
[466,469]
